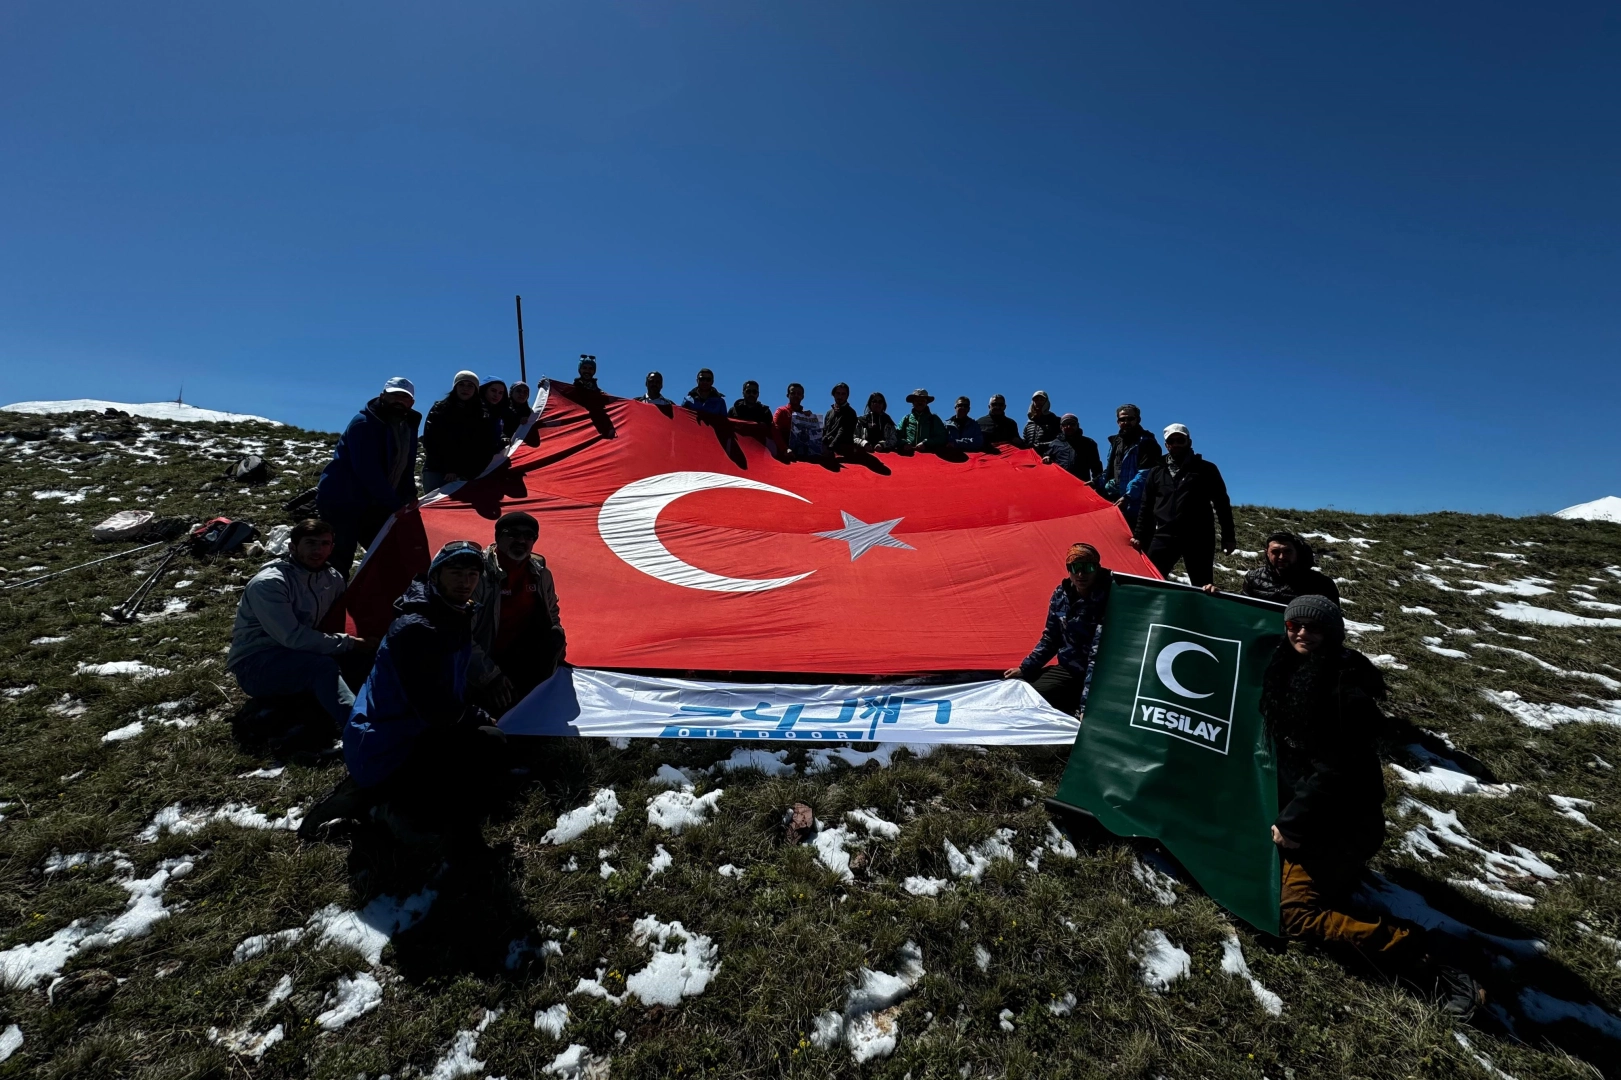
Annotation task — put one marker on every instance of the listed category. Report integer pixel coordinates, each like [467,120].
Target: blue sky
[1370,254]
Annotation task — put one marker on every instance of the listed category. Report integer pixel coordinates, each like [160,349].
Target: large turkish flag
[679,543]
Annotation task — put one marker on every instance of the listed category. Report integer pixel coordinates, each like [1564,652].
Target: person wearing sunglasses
[1175,522]
[1320,703]
[1074,623]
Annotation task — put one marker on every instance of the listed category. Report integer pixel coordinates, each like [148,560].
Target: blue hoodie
[418,681]
[358,474]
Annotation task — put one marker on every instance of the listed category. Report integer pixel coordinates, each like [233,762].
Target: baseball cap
[400,385]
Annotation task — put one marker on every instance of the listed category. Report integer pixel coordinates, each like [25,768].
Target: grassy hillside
[146,866]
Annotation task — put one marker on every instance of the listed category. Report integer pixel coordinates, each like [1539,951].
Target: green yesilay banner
[1172,745]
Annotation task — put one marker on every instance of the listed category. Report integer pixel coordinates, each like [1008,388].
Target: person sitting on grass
[518,638]
[415,744]
[278,646]
[1320,703]
[1074,624]
[1286,571]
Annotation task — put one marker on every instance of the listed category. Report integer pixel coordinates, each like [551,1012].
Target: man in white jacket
[278,648]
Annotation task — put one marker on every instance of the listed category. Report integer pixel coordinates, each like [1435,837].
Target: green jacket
[927,431]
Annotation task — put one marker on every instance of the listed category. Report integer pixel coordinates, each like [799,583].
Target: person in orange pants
[1320,702]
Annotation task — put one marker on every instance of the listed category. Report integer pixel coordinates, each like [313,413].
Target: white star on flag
[863,537]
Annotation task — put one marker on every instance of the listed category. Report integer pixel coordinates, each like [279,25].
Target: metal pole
[523,368]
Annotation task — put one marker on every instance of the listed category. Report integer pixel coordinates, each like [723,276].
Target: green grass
[790,934]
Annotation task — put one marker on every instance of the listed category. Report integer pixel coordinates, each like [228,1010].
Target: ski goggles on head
[1084,566]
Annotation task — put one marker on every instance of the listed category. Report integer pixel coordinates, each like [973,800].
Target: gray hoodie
[282,605]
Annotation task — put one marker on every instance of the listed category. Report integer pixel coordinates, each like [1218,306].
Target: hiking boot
[343,807]
[1458,993]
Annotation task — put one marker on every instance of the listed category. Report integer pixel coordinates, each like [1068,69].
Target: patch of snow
[1501,870]
[1158,884]
[64,496]
[1355,541]
[1449,781]
[831,852]
[1546,717]
[350,999]
[1605,509]
[259,944]
[1520,611]
[770,762]
[11,1040]
[56,862]
[1480,1059]
[458,1060]
[151,410]
[1603,680]
[132,668]
[822,758]
[1454,654]
[179,822]
[982,958]
[869,1026]
[262,774]
[1387,660]
[245,1042]
[368,930]
[924,886]
[1355,628]
[48,640]
[577,1063]
[730,870]
[670,776]
[1572,807]
[1004,1019]
[24,966]
[553,1020]
[278,993]
[1527,586]
[1416,610]
[128,731]
[675,811]
[876,826]
[673,975]
[1597,605]
[601,810]
[1159,963]
[1062,1006]
[1059,844]
[979,857]
[1232,962]
[660,862]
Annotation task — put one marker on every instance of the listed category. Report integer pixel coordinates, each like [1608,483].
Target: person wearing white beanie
[461,437]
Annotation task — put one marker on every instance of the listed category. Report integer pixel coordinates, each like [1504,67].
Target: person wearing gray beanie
[1319,611]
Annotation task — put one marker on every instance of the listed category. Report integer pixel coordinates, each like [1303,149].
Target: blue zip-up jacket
[357,475]
[1074,625]
[418,681]
[964,434]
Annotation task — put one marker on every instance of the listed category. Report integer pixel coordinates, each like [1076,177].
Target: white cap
[400,385]
[465,374]
[1176,429]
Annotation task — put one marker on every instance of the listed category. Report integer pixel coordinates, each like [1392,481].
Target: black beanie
[1317,609]
[517,521]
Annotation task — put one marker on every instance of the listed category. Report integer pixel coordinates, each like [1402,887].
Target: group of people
[1320,702]
[481,626]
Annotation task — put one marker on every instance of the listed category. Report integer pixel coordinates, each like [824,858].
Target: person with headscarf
[1320,702]
[1074,626]
[460,437]
[874,429]
[1041,423]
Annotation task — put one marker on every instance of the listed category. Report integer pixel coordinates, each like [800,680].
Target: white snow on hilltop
[152,410]
[1605,509]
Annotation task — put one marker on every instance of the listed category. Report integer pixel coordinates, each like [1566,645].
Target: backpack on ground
[250,470]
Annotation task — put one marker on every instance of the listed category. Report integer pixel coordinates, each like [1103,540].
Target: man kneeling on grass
[278,648]
[1074,623]
[517,632]
[1319,699]
[416,746]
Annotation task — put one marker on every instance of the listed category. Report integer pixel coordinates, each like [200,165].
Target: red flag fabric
[679,542]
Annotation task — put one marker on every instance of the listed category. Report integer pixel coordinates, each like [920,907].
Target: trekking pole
[125,612]
[81,566]
[523,368]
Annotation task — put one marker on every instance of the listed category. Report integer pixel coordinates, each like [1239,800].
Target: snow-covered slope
[1605,509]
[153,410]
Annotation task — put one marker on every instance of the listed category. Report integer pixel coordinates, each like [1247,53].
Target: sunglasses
[1296,626]
[1084,567]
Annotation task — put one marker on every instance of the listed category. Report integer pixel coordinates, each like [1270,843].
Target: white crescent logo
[628,525]
[1167,657]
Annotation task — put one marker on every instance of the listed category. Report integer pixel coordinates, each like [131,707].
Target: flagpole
[523,368]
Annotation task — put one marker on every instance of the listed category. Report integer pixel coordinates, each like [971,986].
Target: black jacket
[758,412]
[1181,505]
[1265,583]
[460,437]
[1323,715]
[1000,429]
[1079,455]
[1040,431]
[1149,454]
[839,430]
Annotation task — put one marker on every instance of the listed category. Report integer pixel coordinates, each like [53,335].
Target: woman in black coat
[460,436]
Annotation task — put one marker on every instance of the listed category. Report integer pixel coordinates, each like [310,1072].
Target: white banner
[604,704]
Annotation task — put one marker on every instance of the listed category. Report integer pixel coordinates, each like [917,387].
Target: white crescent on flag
[628,524]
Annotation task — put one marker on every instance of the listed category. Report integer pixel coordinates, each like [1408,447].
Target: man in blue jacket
[413,741]
[372,472]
